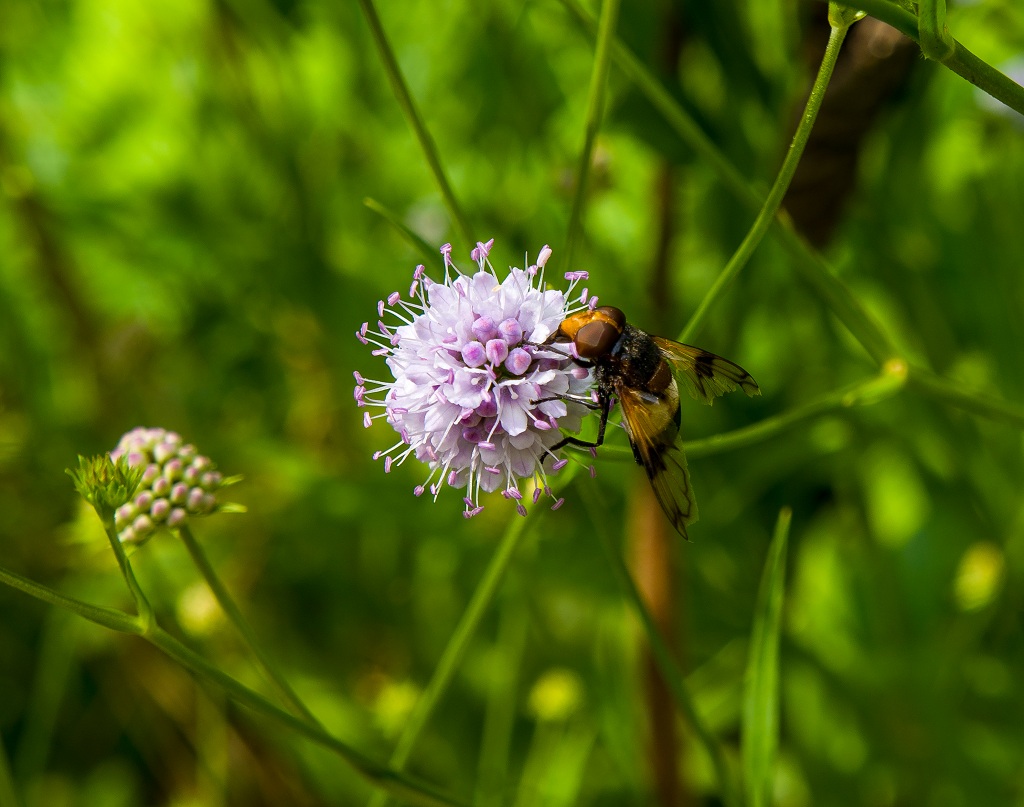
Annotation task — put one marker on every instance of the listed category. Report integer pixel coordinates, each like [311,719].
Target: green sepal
[104,483]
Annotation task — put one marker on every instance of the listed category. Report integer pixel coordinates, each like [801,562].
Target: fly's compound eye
[596,339]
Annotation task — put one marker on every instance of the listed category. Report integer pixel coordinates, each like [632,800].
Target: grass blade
[761,695]
[412,115]
[595,110]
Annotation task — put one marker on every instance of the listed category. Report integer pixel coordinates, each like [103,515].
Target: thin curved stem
[687,128]
[782,181]
[106,617]
[872,390]
[457,646]
[378,775]
[404,98]
[146,615]
[595,111]
[234,613]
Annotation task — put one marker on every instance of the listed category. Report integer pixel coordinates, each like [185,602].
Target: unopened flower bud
[177,517]
[176,481]
[160,510]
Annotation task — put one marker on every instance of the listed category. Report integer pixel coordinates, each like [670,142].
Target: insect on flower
[475,395]
[641,372]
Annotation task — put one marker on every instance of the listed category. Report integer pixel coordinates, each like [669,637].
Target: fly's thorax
[641,362]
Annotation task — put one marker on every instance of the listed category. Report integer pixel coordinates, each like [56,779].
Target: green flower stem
[106,617]
[227,603]
[405,101]
[457,647]
[949,392]
[667,664]
[146,615]
[806,260]
[962,62]
[874,389]
[595,111]
[936,41]
[394,782]
[785,176]
[760,722]
[378,775]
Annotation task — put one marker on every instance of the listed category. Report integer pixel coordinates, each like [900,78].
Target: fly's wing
[706,375]
[652,422]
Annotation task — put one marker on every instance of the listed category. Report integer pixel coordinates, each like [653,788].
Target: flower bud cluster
[177,482]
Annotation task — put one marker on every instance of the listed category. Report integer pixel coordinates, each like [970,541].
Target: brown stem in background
[654,571]
[873,67]
[660,283]
[651,545]
[38,230]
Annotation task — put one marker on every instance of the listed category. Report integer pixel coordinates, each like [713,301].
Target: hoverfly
[641,372]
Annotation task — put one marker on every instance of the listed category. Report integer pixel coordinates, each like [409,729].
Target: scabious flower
[177,483]
[475,395]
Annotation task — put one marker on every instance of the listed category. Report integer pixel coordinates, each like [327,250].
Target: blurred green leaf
[761,682]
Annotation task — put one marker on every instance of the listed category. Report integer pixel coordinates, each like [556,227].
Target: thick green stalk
[936,41]
[961,61]
[595,111]
[457,646]
[234,613]
[771,205]
[404,98]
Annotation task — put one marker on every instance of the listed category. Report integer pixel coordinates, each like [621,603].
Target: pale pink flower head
[473,393]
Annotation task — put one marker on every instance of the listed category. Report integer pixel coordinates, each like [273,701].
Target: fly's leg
[587,402]
[605,405]
[556,349]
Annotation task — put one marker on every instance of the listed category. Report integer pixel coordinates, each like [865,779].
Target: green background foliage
[184,243]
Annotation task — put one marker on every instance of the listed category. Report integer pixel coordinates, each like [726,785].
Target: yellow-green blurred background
[184,243]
